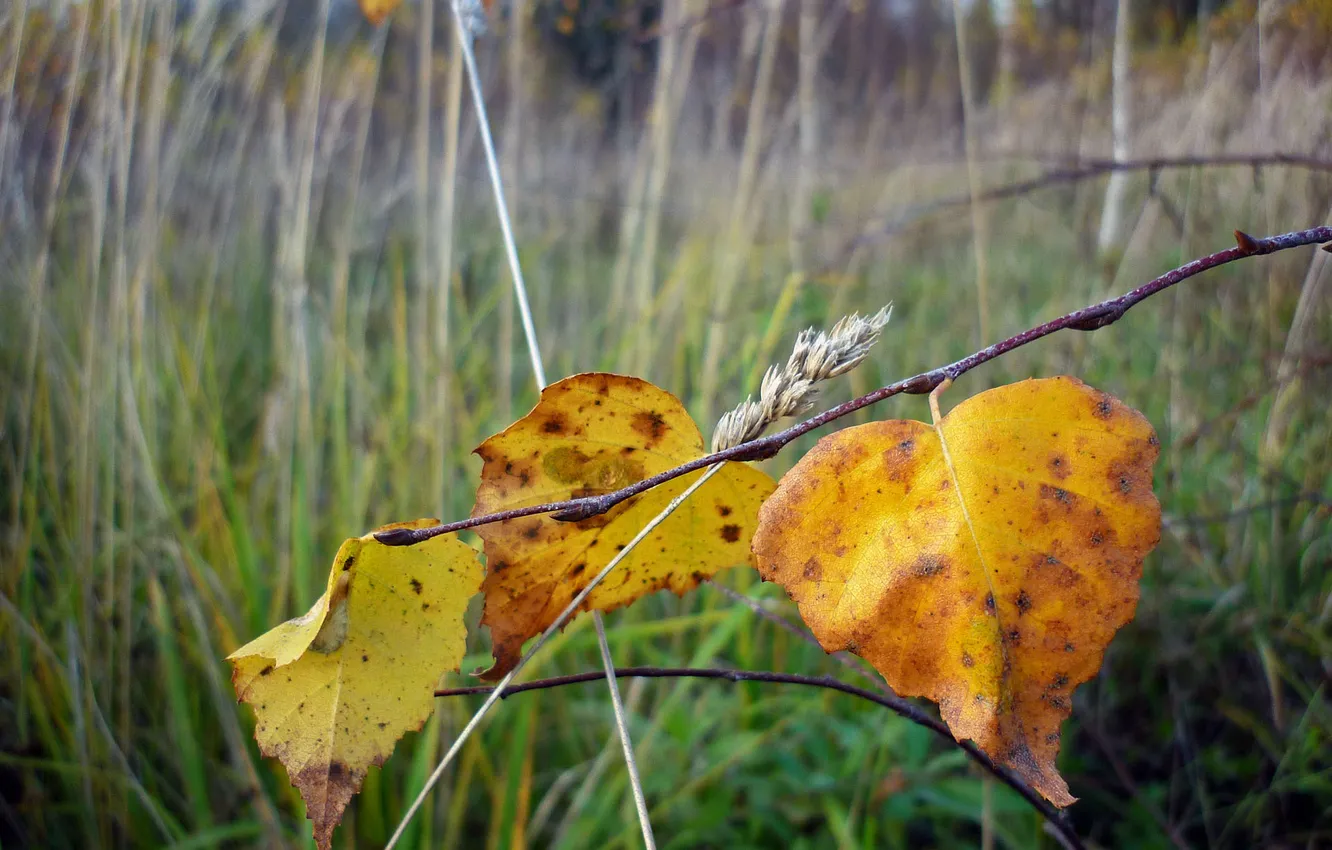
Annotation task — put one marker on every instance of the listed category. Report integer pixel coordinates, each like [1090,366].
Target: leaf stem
[1090,318]
[902,707]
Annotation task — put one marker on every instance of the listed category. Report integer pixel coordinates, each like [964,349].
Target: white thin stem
[541,641]
[502,207]
[539,373]
[622,724]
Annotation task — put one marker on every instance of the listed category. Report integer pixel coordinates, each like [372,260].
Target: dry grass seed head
[791,389]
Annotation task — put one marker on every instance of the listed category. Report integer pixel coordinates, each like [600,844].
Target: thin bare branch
[902,707]
[1066,171]
[1088,318]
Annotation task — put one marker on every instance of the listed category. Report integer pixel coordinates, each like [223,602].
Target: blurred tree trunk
[1112,213]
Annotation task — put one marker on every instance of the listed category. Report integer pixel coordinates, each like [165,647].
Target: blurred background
[255,302]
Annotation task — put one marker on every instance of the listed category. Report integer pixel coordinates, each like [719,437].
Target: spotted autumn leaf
[983,562]
[592,434]
[334,689]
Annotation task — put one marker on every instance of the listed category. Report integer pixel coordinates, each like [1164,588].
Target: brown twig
[1086,319]
[1075,171]
[903,708]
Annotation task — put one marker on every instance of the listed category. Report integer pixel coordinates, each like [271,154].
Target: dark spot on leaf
[1059,467]
[1023,602]
[651,425]
[416,587]
[383,725]
[266,670]
[730,533]
[724,510]
[989,603]
[1061,496]
[928,565]
[347,565]
[967,660]
[1060,681]
[906,445]
[1013,637]
[364,658]
[532,532]
[553,425]
[813,570]
[578,569]
[498,565]
[1053,737]
[1125,485]
[1068,647]
[1103,408]
[1058,702]
[1097,538]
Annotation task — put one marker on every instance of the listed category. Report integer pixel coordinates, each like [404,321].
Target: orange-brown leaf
[376,11]
[592,434]
[984,563]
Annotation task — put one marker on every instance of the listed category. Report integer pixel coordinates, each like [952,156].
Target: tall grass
[257,304]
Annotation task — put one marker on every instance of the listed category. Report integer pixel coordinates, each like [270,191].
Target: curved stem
[899,706]
[1090,318]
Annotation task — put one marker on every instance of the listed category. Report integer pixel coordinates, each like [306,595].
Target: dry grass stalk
[790,390]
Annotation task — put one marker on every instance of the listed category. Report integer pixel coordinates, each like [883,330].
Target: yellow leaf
[376,11]
[984,562]
[334,690]
[593,434]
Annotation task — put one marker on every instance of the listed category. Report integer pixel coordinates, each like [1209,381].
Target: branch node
[1098,318]
[1246,243]
[759,450]
[397,537]
[594,507]
[925,384]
